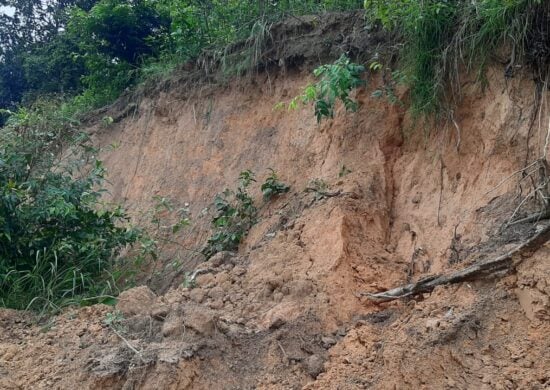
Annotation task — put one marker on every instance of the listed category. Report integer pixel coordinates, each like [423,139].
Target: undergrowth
[58,241]
[235,215]
[439,38]
[272,186]
[95,50]
[236,212]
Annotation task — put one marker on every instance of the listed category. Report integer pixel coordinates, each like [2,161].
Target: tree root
[482,268]
[532,218]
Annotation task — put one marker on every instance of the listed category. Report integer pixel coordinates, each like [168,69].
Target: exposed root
[440,191]
[532,218]
[482,268]
[324,194]
[522,171]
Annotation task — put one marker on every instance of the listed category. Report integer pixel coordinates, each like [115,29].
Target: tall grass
[440,38]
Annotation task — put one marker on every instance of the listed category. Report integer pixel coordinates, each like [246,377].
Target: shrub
[235,215]
[58,243]
[272,186]
[336,82]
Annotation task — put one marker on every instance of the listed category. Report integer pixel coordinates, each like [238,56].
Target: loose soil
[286,310]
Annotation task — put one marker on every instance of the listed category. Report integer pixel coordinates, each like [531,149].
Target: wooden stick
[128,344]
[481,268]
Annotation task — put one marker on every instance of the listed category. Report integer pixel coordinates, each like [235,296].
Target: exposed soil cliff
[286,311]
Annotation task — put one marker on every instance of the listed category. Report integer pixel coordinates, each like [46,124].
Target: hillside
[378,199]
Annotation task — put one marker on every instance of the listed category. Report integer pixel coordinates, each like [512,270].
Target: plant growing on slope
[439,37]
[336,82]
[114,320]
[235,215]
[272,186]
[58,241]
[179,217]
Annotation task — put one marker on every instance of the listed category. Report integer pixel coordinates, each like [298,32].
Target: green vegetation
[344,171]
[180,217]
[235,215]
[60,59]
[90,51]
[272,186]
[58,242]
[336,82]
[440,37]
[319,187]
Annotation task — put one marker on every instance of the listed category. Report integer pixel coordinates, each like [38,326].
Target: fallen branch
[479,269]
[132,348]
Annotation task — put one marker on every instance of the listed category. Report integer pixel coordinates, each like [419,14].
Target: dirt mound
[392,204]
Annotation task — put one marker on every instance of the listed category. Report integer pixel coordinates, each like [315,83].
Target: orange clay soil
[285,311]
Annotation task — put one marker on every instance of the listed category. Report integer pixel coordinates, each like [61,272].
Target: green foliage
[438,36]
[35,54]
[58,242]
[196,25]
[272,186]
[344,171]
[53,67]
[189,282]
[164,208]
[95,49]
[235,215]
[122,30]
[114,37]
[391,80]
[426,27]
[12,82]
[115,320]
[336,83]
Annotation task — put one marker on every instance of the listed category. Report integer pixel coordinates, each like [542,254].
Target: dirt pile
[393,204]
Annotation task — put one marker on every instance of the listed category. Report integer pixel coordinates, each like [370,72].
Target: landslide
[286,310]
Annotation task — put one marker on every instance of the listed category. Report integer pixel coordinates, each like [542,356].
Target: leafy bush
[54,67]
[57,241]
[235,215]
[99,47]
[336,82]
[272,186]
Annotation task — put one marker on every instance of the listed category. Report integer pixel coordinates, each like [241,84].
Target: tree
[35,53]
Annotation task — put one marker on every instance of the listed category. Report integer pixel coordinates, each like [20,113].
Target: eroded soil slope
[286,310]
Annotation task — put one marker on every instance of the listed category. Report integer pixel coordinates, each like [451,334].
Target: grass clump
[438,38]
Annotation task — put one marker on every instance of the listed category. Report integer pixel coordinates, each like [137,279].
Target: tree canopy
[97,47]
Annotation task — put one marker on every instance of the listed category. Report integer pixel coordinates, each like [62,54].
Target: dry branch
[132,348]
[477,270]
